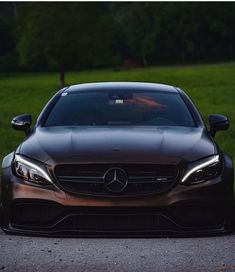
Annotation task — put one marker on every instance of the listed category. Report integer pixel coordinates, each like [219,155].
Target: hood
[55,145]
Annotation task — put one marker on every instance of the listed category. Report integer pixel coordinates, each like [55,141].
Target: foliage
[8,58]
[39,36]
[56,35]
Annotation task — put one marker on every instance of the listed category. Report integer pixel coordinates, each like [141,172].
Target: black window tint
[121,108]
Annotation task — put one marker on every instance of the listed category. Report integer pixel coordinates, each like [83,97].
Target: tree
[140,25]
[55,34]
[83,35]
[8,57]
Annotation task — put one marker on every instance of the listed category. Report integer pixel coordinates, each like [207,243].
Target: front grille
[116,222]
[142,178]
[47,215]
[36,213]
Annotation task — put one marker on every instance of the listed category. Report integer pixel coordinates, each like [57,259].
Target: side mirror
[217,122]
[22,122]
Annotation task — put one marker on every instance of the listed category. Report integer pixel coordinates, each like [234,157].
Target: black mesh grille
[48,215]
[116,222]
[33,213]
[142,178]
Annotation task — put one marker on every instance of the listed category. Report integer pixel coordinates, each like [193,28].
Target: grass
[212,88]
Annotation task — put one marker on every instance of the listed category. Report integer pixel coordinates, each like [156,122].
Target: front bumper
[49,218]
[184,210]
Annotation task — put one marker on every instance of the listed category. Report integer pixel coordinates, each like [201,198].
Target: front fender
[228,173]
[6,164]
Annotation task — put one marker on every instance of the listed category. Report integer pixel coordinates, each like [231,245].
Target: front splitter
[220,230]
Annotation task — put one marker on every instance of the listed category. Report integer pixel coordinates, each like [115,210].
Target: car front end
[117,181]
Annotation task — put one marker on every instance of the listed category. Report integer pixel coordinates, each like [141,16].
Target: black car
[118,159]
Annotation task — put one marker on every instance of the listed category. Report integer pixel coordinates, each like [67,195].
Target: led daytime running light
[200,166]
[34,166]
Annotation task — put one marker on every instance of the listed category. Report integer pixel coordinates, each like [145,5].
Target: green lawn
[212,88]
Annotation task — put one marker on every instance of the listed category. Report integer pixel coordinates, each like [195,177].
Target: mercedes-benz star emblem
[115,180]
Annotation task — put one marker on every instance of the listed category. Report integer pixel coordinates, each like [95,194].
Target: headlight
[31,171]
[202,170]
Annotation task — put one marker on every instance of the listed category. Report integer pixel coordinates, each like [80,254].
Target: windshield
[135,108]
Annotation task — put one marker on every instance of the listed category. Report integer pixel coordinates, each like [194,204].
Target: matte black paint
[121,145]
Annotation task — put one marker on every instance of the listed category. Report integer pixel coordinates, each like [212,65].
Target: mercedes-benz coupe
[118,158]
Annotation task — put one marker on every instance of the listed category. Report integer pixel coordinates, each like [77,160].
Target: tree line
[42,36]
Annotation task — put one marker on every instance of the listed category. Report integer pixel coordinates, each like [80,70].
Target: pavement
[23,253]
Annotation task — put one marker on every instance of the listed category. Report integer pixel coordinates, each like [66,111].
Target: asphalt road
[19,253]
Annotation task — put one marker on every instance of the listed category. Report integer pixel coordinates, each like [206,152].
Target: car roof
[100,86]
